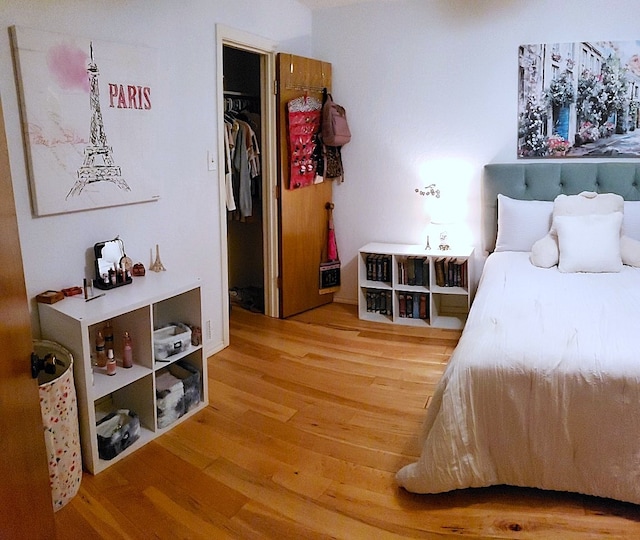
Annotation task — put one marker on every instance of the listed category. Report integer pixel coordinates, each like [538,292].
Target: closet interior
[243,172]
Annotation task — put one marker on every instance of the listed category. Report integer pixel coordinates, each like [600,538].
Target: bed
[543,389]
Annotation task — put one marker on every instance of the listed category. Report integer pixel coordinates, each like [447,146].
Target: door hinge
[275,87]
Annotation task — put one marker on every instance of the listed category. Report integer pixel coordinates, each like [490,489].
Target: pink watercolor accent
[68,65]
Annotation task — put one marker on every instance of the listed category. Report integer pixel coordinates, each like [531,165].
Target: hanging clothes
[228,176]
[242,161]
[333,169]
[242,170]
[304,116]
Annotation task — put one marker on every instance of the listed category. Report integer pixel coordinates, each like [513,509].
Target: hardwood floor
[309,419]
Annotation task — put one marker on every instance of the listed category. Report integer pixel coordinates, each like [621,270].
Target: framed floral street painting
[88,112]
[579,100]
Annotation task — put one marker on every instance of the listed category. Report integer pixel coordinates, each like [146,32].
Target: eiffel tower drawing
[90,171]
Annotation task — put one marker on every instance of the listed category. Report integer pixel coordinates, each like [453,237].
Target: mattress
[543,389]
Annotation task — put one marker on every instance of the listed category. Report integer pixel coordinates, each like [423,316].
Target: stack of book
[450,272]
[413,305]
[378,267]
[413,271]
[379,302]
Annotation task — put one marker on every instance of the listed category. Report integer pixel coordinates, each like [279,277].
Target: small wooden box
[50,297]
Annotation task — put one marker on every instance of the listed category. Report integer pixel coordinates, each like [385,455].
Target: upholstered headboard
[545,181]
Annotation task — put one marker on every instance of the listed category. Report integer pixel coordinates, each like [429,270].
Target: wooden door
[27,510]
[302,227]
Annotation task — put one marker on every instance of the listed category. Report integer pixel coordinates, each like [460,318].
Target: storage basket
[116,432]
[177,392]
[170,340]
[59,409]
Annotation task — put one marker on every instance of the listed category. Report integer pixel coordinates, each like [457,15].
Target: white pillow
[589,243]
[631,220]
[521,223]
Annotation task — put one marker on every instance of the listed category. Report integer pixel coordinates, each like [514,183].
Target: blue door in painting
[561,125]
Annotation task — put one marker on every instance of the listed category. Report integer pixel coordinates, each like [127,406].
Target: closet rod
[240,94]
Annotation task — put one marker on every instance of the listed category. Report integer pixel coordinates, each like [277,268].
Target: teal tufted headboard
[545,181]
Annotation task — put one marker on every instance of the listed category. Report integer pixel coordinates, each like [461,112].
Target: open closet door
[302,231]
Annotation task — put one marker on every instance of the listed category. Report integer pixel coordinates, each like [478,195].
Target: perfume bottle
[127,351]
[111,363]
[108,336]
[101,354]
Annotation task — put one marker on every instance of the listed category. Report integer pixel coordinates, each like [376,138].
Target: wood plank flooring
[309,420]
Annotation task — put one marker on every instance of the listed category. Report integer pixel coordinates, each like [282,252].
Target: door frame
[266,49]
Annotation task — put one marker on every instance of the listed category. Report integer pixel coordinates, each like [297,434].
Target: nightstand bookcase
[406,284]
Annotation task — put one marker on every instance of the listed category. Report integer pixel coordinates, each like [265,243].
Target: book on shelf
[418,264]
[411,273]
[424,309]
[379,302]
[416,305]
[439,267]
[378,267]
[451,272]
[425,272]
[413,305]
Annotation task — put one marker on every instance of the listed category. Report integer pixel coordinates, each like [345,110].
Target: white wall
[425,83]
[433,83]
[185,222]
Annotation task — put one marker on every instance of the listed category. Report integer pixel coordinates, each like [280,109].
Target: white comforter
[543,389]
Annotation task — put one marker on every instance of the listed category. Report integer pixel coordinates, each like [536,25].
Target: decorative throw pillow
[589,243]
[631,219]
[521,223]
[630,251]
[545,252]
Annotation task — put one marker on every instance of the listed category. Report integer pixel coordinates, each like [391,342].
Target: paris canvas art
[88,111]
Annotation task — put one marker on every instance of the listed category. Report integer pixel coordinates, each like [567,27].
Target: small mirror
[112,268]
[110,254]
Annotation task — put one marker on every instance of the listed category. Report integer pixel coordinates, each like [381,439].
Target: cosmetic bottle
[108,336]
[127,351]
[101,354]
[111,363]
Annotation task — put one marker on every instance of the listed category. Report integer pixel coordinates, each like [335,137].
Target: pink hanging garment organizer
[304,117]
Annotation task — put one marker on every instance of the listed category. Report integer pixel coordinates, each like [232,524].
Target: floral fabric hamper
[59,410]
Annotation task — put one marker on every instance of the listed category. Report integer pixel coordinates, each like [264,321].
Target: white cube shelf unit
[407,284]
[150,302]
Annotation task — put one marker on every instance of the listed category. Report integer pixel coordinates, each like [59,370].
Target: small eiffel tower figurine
[90,171]
[157,265]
